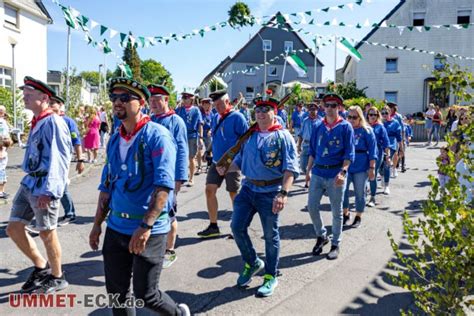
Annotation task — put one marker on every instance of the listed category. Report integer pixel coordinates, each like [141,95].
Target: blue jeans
[434,131]
[304,157]
[246,204]
[386,170]
[68,205]
[317,187]
[378,164]
[359,180]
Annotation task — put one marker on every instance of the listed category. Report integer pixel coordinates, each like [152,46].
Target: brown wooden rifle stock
[228,157]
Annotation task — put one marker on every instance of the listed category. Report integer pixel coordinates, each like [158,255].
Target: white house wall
[413,68]
[31,48]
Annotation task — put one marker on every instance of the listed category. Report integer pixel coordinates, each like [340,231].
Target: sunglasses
[331,105]
[124,97]
[352,117]
[372,114]
[312,109]
[384,113]
[262,109]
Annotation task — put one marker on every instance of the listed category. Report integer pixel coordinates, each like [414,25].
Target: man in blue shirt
[227,127]
[136,192]
[401,150]
[331,151]
[207,114]
[163,115]
[297,119]
[244,109]
[191,116]
[269,162]
[304,136]
[57,105]
[46,162]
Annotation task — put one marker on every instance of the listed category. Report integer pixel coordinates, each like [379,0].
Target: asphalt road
[206,271]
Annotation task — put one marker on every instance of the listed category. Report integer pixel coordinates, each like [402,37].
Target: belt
[264,183]
[361,151]
[38,174]
[134,216]
[328,166]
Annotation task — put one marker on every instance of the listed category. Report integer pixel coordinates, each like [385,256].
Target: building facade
[402,76]
[23,30]
[250,81]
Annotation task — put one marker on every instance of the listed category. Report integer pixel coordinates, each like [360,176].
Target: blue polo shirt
[394,132]
[229,131]
[192,118]
[307,129]
[73,130]
[365,149]
[154,150]
[269,160]
[331,147]
[246,114]
[381,137]
[284,116]
[176,126]
[207,121]
[297,118]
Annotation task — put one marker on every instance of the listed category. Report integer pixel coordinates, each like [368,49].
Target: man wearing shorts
[192,117]
[227,127]
[46,163]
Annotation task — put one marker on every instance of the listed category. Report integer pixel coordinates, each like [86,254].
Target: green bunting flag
[103,29]
[126,70]
[69,18]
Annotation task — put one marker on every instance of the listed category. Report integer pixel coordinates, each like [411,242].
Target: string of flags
[76,20]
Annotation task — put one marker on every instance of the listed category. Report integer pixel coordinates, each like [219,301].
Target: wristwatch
[145,225]
[80,160]
[283,192]
[344,172]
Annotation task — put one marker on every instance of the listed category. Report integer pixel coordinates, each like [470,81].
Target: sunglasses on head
[124,97]
[331,105]
[372,114]
[352,117]
[262,109]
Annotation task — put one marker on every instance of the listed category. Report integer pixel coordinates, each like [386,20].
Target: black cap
[216,95]
[131,85]
[58,99]
[32,83]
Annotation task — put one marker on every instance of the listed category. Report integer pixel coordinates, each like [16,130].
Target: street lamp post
[100,78]
[13,43]
[264,65]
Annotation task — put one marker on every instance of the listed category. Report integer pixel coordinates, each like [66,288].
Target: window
[288,47]
[267,45]
[249,92]
[272,71]
[439,62]
[249,70]
[391,96]
[11,15]
[464,16]
[419,18]
[391,65]
[5,77]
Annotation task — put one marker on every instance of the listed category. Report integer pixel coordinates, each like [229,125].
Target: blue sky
[190,60]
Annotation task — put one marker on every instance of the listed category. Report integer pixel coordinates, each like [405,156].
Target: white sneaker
[184,309]
[394,173]
[386,191]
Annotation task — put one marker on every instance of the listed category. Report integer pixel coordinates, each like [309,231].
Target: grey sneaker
[249,271]
[52,285]
[333,253]
[66,220]
[170,258]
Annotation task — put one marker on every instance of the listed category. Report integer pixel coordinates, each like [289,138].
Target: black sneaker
[333,253]
[210,232]
[66,220]
[357,222]
[52,285]
[35,279]
[320,242]
[345,218]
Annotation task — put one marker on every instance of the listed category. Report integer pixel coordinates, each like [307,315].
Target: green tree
[91,76]
[455,80]
[7,101]
[240,15]
[347,90]
[131,58]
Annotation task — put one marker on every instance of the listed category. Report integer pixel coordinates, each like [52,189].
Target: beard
[121,115]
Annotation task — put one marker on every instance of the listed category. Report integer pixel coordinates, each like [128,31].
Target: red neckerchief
[312,119]
[142,122]
[275,127]
[166,114]
[334,124]
[375,124]
[187,107]
[393,115]
[224,115]
[42,115]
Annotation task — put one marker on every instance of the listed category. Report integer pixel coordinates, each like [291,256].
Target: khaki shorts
[25,207]
[232,179]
